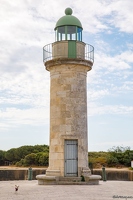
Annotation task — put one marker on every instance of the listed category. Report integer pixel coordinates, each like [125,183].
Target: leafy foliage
[10,155]
[43,158]
[119,149]
[37,159]
[115,157]
[27,155]
[2,157]
[120,156]
[39,155]
[97,159]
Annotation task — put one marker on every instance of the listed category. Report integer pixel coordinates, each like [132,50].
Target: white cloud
[97,109]
[105,146]
[113,63]
[17,117]
[126,56]
[28,25]
[122,15]
[93,94]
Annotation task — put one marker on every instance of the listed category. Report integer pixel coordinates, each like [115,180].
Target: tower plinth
[68,60]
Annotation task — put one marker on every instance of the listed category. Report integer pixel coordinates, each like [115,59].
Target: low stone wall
[117,175]
[22,174]
[17,174]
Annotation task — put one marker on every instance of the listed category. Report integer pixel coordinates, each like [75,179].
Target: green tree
[120,156]
[41,148]
[2,157]
[44,159]
[30,159]
[10,155]
[38,159]
[97,159]
[20,163]
[128,157]
[112,161]
[16,154]
[118,149]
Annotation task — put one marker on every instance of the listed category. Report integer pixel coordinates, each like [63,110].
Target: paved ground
[30,190]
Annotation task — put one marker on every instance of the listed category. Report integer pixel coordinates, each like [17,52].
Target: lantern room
[68,27]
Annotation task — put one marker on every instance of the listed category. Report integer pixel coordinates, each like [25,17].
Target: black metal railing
[88,53]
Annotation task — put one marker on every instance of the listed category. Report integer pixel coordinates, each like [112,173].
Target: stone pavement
[30,190]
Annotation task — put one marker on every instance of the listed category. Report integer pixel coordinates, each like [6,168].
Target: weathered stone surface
[60,49]
[46,180]
[68,112]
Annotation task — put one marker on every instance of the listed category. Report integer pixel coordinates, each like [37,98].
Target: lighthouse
[68,60]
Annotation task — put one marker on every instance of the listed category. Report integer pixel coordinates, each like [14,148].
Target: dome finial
[68,11]
[68,20]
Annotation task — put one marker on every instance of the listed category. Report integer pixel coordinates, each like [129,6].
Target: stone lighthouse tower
[68,60]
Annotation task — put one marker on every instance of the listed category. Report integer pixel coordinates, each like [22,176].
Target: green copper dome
[68,20]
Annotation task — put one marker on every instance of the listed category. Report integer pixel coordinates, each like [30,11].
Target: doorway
[71,157]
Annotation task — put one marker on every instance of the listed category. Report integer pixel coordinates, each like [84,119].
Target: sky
[28,25]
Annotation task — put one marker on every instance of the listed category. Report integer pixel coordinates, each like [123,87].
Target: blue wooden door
[71,158]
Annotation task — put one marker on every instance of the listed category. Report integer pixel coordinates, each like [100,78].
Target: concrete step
[70,179]
[72,183]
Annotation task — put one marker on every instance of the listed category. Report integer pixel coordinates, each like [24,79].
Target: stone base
[53,180]
[55,173]
[46,180]
[85,171]
[93,179]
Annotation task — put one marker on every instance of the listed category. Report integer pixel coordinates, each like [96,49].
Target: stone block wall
[68,113]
